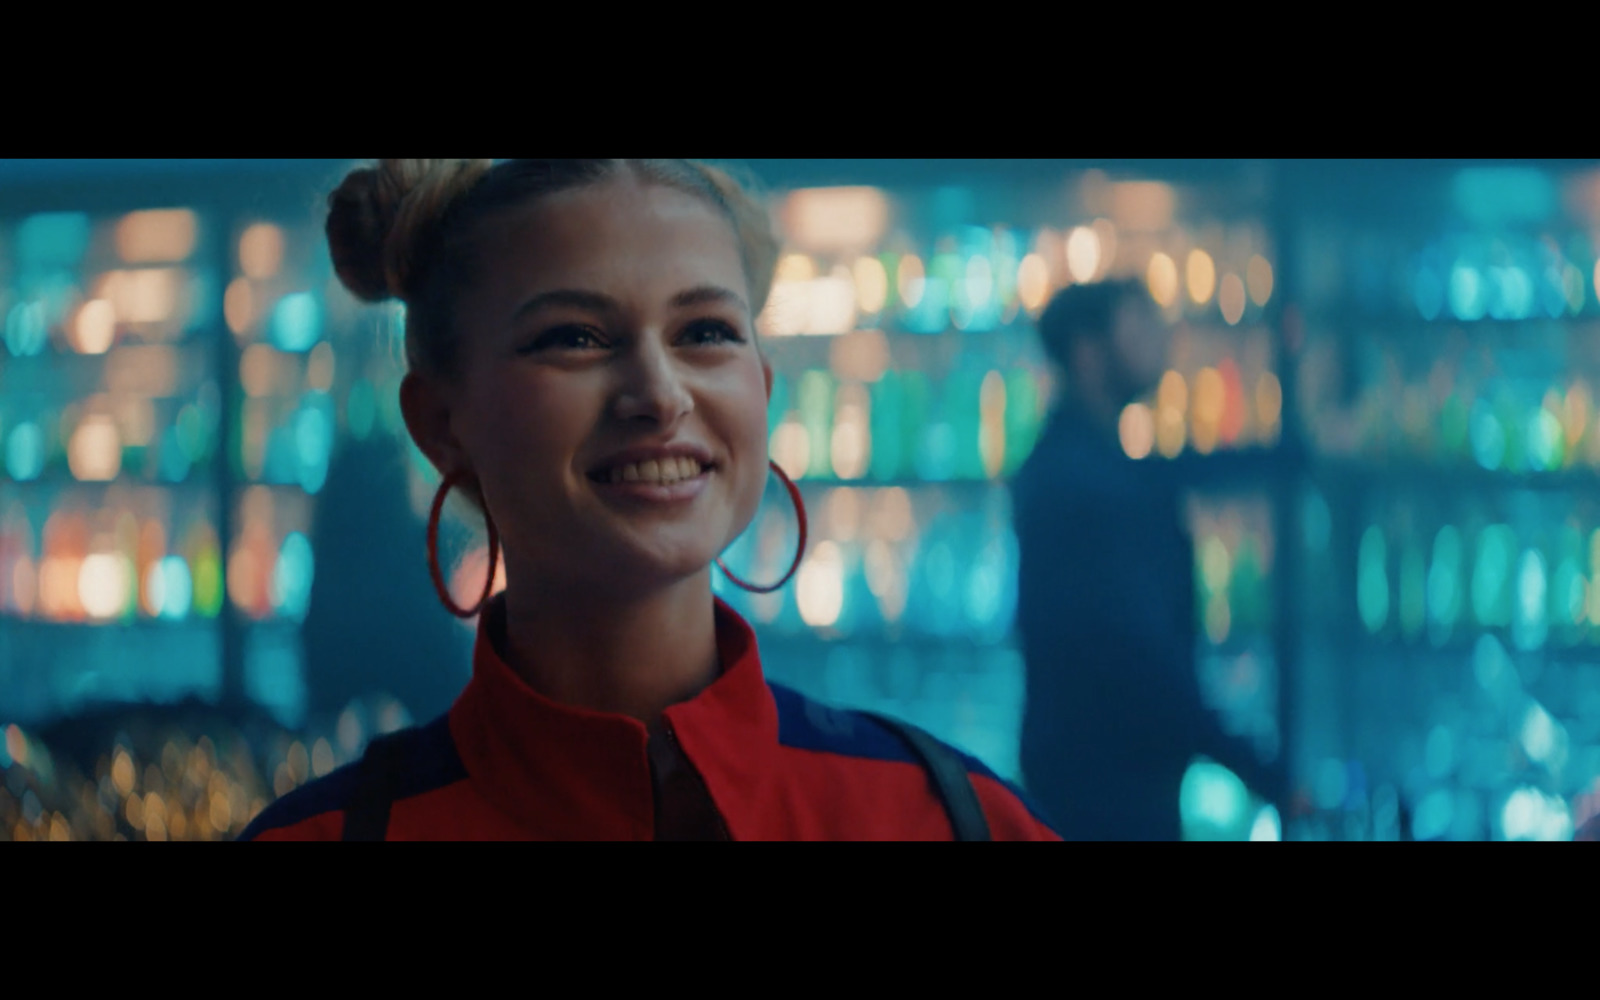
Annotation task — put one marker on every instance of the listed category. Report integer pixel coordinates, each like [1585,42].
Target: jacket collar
[573,774]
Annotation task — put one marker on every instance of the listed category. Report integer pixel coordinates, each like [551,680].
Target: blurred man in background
[1106,605]
[374,626]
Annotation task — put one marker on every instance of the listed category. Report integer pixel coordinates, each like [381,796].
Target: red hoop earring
[445,487]
[800,512]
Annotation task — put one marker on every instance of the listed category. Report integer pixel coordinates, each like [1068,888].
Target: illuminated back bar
[1396,564]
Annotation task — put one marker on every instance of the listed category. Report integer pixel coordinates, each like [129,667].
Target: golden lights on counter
[187,792]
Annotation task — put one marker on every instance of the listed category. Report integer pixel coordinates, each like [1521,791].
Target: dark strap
[950,780]
[366,815]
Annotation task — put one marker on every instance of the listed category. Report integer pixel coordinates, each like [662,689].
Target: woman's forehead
[621,220]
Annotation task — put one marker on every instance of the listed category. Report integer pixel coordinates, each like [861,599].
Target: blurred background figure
[374,624]
[1106,609]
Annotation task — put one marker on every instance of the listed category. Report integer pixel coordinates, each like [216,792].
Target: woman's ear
[766,370]
[426,408]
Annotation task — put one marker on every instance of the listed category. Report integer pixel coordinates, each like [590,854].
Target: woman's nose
[653,389]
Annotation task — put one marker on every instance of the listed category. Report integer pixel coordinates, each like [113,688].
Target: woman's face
[612,403]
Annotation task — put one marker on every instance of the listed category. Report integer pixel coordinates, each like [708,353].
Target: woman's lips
[659,492]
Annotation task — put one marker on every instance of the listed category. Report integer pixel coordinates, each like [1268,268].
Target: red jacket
[508,764]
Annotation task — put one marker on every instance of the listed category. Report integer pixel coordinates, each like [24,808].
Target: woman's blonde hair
[404,229]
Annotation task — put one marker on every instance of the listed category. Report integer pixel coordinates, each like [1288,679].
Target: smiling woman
[584,369]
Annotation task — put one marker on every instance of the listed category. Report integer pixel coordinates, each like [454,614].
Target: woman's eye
[566,338]
[712,332]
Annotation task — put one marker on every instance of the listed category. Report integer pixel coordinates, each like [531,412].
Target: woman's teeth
[665,472]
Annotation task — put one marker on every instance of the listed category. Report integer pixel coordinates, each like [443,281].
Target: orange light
[861,356]
[872,285]
[837,220]
[1234,412]
[910,280]
[1231,298]
[1269,400]
[157,237]
[24,584]
[1033,282]
[94,453]
[1202,276]
[1137,430]
[261,251]
[1162,277]
[239,306]
[791,447]
[844,513]
[1259,275]
[1143,206]
[892,517]
[95,327]
[1083,254]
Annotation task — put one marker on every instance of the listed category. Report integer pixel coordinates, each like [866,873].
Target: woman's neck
[635,657]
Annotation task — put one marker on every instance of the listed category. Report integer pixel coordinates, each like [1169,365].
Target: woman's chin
[662,566]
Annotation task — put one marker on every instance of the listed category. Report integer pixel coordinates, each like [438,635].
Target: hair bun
[380,220]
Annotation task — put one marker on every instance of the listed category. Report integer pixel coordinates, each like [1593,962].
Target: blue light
[57,239]
[1488,437]
[25,452]
[1491,573]
[1546,441]
[174,458]
[1540,734]
[1267,828]
[191,435]
[1568,592]
[1553,292]
[1434,816]
[1372,586]
[178,588]
[26,329]
[1428,291]
[1572,283]
[313,441]
[291,578]
[1510,293]
[1492,667]
[988,591]
[1529,628]
[1444,583]
[1529,814]
[297,322]
[1466,292]
[1213,803]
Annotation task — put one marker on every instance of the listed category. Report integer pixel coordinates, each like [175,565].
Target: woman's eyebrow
[596,302]
[707,295]
[570,298]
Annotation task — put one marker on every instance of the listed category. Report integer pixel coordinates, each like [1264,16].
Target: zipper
[677,748]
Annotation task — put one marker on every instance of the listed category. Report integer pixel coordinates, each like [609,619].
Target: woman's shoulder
[422,759]
[863,740]
[314,811]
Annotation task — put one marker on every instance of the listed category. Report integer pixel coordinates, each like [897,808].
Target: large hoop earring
[450,483]
[800,512]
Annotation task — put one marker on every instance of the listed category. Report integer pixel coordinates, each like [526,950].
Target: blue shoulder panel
[428,762]
[805,724]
